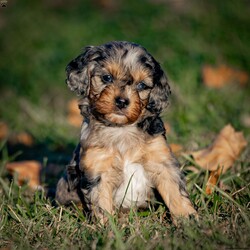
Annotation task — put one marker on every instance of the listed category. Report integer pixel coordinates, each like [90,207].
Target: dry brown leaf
[4,130]
[220,156]
[73,107]
[22,138]
[176,148]
[74,117]
[75,120]
[167,127]
[212,180]
[224,150]
[15,138]
[27,171]
[217,77]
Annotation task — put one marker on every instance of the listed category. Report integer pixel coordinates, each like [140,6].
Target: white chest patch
[134,191]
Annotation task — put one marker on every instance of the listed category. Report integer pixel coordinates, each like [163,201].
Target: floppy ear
[77,72]
[158,99]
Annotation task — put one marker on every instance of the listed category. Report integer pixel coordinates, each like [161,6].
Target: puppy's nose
[121,103]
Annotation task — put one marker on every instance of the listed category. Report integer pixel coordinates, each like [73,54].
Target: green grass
[40,38]
[30,221]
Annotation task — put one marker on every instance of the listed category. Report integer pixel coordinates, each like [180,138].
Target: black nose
[121,103]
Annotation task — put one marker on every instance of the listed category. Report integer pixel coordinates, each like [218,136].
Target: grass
[29,221]
[40,38]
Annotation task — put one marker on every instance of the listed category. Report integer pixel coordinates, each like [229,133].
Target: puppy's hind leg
[68,185]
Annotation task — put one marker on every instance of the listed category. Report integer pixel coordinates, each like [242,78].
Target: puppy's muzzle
[121,103]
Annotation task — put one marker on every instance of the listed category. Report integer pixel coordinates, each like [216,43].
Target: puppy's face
[121,80]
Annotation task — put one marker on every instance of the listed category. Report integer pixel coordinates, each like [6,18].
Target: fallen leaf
[224,150]
[75,120]
[222,153]
[4,130]
[167,127]
[176,148]
[74,117]
[217,77]
[73,107]
[22,138]
[27,171]
[212,180]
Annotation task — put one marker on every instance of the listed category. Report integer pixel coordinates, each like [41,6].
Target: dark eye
[141,86]
[107,78]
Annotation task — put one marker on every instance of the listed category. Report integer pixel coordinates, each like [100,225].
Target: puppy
[123,158]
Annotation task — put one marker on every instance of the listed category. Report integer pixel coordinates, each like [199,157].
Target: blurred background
[202,45]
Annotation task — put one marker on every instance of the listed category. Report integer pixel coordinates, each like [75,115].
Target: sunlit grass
[40,38]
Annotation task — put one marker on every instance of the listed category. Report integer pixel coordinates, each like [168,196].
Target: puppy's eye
[107,78]
[141,86]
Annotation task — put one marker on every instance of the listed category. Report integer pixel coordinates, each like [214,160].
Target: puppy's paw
[190,215]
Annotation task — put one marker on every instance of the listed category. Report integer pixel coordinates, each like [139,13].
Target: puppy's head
[122,82]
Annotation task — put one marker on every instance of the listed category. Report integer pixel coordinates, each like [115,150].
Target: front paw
[100,216]
[190,214]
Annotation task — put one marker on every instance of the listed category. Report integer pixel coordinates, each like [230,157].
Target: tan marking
[158,150]
[121,71]
[97,161]
[106,105]
[116,69]
[134,109]
[141,74]
[144,95]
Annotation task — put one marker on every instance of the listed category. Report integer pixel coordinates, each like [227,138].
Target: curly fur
[122,157]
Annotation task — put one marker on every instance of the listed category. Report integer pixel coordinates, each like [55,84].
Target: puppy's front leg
[97,164]
[101,200]
[165,174]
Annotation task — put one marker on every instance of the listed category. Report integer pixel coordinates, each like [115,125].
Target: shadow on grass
[53,160]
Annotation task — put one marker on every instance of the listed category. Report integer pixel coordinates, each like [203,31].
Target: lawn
[39,38]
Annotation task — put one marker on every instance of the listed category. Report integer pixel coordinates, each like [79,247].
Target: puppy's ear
[77,71]
[158,99]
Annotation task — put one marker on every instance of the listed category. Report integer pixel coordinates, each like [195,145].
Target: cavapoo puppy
[122,159]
